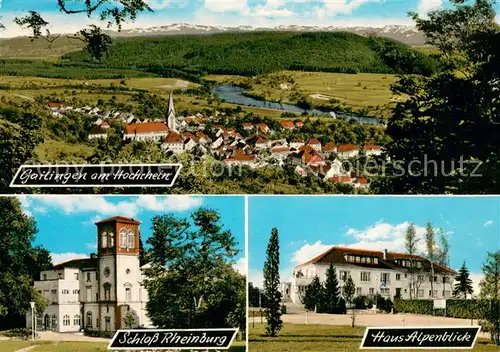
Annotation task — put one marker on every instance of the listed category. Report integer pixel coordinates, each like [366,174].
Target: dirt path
[26,349]
[54,336]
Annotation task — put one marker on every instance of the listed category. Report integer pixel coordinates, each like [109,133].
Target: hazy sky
[66,223]
[308,226]
[254,13]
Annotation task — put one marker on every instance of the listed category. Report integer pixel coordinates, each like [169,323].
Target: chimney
[385,254]
[93,256]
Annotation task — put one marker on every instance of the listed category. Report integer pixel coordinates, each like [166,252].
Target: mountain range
[404,34]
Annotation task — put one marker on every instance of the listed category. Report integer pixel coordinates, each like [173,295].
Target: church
[97,293]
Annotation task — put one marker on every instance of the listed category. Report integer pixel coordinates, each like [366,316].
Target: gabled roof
[242,157]
[77,264]
[287,124]
[328,147]
[336,255]
[372,147]
[346,148]
[55,105]
[340,179]
[313,141]
[146,127]
[119,219]
[173,137]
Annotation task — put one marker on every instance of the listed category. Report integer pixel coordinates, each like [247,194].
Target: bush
[283,309]
[17,332]
[455,308]
[384,304]
[360,302]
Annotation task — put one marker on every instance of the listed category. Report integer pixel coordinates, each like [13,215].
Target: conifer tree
[331,293]
[313,298]
[271,286]
[463,285]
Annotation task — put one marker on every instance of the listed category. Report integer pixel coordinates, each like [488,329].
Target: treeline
[252,54]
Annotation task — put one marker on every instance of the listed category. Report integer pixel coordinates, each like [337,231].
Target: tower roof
[119,219]
[171,107]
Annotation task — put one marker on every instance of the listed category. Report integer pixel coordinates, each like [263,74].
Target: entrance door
[107,325]
[46,322]
[398,292]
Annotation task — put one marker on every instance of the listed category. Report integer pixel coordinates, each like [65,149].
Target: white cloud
[256,277]
[226,5]
[337,7]
[309,251]
[102,206]
[91,245]
[158,4]
[488,223]
[476,279]
[58,258]
[385,236]
[241,266]
[426,6]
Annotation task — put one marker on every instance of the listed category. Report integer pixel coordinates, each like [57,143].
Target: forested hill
[256,53]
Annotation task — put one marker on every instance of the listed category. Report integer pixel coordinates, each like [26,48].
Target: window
[76,320]
[375,260]
[128,294]
[76,276]
[365,276]
[128,271]
[107,325]
[363,260]
[384,277]
[371,291]
[89,294]
[104,242]
[131,239]
[65,292]
[420,294]
[343,275]
[398,277]
[75,292]
[89,319]
[88,277]
[66,320]
[446,279]
[358,259]
[111,239]
[446,294]
[54,322]
[358,291]
[385,291]
[420,278]
[44,277]
[419,264]
[54,295]
[123,238]
[107,291]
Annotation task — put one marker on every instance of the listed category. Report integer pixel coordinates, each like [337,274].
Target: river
[236,95]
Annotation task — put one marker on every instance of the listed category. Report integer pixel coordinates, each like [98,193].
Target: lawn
[14,345]
[319,338]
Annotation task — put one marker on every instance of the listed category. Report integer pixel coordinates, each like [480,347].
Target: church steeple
[171,122]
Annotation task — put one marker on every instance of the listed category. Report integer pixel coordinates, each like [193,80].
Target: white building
[171,120]
[98,292]
[375,272]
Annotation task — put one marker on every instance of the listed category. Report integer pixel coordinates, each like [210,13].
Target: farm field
[362,91]
[320,338]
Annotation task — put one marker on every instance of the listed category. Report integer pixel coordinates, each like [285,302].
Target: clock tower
[118,271]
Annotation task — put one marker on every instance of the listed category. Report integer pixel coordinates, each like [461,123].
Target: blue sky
[310,225]
[254,13]
[66,223]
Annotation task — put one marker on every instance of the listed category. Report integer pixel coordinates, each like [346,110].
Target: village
[255,145]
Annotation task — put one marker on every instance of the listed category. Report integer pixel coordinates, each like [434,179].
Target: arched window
[104,242]
[53,323]
[76,320]
[66,320]
[89,319]
[128,292]
[107,291]
[123,238]
[131,239]
[111,237]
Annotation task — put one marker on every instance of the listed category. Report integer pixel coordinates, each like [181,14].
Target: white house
[375,272]
[96,293]
[372,150]
[97,132]
[149,131]
[346,151]
[173,142]
[296,144]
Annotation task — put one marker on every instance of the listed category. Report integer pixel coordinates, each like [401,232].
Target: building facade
[375,272]
[97,293]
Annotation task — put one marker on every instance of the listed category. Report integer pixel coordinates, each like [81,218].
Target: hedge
[455,308]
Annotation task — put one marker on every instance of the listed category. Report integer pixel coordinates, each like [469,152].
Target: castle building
[97,293]
[374,272]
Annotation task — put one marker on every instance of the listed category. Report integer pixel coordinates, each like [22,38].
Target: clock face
[107,272]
